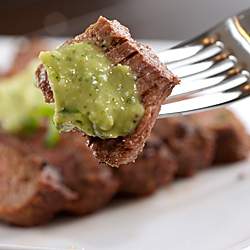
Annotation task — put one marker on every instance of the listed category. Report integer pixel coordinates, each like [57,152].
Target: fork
[213,67]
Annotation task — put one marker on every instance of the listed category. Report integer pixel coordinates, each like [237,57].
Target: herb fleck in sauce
[90,93]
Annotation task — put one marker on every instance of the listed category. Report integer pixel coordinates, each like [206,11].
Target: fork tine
[206,68]
[190,54]
[173,55]
[204,84]
[209,101]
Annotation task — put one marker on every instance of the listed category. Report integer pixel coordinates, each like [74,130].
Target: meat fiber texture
[155,84]
[31,190]
[94,183]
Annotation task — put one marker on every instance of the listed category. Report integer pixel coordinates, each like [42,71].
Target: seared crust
[231,139]
[31,190]
[193,146]
[155,83]
[155,167]
[42,81]
[94,183]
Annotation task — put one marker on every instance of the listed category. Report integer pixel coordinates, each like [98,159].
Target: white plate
[208,211]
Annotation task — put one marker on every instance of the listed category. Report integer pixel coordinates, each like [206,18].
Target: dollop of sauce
[91,94]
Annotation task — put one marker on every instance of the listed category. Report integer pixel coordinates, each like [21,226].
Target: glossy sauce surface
[90,93]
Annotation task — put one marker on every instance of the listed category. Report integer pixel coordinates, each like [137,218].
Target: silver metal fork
[214,68]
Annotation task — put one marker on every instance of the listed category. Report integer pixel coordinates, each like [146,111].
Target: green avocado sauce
[22,105]
[90,93]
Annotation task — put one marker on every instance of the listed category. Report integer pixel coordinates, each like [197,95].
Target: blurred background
[146,19]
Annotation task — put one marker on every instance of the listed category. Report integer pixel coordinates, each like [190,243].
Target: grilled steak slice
[232,140]
[155,166]
[31,191]
[94,183]
[155,83]
[192,145]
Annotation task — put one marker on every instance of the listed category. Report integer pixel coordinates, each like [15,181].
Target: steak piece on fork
[155,84]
